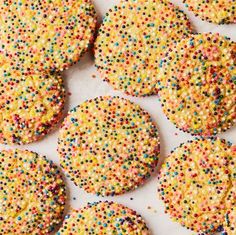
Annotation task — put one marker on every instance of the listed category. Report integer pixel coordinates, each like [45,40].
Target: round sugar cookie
[46,35]
[104,218]
[230,222]
[31,104]
[198,84]
[132,40]
[108,145]
[32,193]
[196,183]
[219,12]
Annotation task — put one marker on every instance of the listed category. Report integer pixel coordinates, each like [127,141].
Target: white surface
[79,81]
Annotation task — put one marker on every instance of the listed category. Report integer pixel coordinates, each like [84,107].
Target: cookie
[48,35]
[230,222]
[219,12]
[104,218]
[132,40]
[32,193]
[198,84]
[108,145]
[196,183]
[31,104]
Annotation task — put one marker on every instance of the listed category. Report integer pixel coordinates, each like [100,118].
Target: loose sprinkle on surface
[132,40]
[46,35]
[197,183]
[108,145]
[32,193]
[104,218]
[198,84]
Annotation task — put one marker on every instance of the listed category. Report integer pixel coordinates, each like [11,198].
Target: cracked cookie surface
[32,193]
[104,218]
[132,40]
[31,104]
[198,84]
[197,183]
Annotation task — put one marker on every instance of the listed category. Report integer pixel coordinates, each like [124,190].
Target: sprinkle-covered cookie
[214,11]
[132,40]
[31,104]
[196,183]
[104,218]
[108,145]
[32,193]
[198,84]
[48,35]
[230,222]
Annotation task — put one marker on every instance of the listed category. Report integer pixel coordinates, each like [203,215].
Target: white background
[81,85]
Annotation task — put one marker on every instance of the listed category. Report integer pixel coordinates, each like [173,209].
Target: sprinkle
[230,220]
